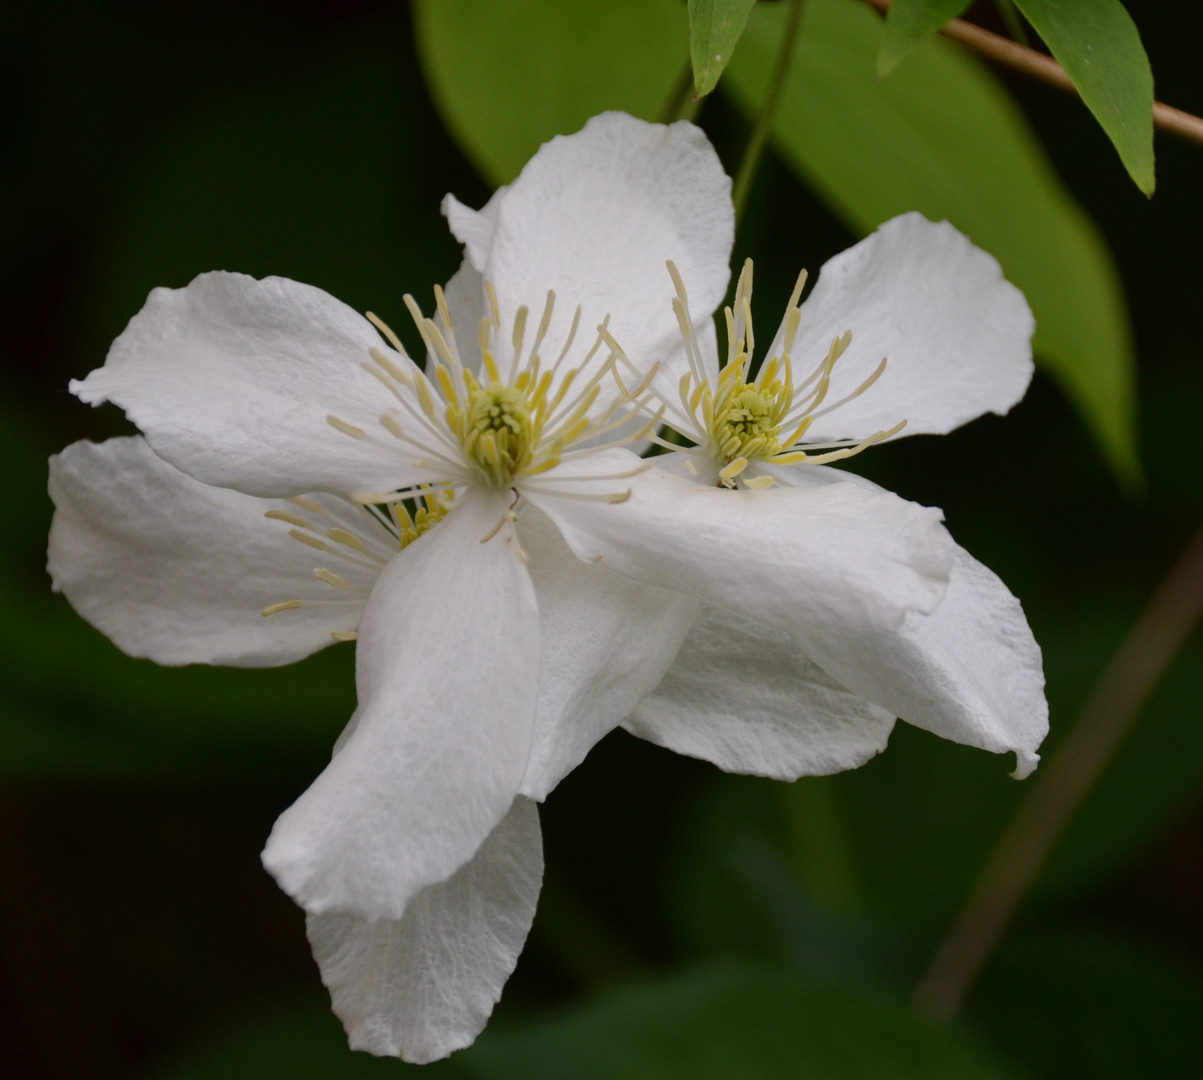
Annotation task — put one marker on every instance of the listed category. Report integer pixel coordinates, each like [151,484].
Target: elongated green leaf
[1098,44]
[910,23]
[749,1022]
[507,76]
[940,136]
[714,29]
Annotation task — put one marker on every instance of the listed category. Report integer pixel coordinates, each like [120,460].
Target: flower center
[747,420]
[738,421]
[500,432]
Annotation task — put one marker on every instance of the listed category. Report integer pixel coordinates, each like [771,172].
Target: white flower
[492,649]
[744,692]
[489,659]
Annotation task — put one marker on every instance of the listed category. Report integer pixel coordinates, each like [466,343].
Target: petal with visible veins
[179,572]
[423,986]
[447,669]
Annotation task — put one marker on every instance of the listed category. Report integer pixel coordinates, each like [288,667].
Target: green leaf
[714,29]
[749,1022]
[910,23]
[1098,44]
[941,136]
[507,76]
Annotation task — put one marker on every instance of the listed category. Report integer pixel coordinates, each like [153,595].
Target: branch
[1044,67]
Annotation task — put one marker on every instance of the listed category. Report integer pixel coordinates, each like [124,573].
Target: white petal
[177,571]
[423,986]
[474,228]
[970,671]
[595,215]
[607,642]
[447,667]
[955,332]
[232,379]
[751,702]
[466,303]
[806,562]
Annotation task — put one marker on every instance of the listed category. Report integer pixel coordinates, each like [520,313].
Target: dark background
[141,144]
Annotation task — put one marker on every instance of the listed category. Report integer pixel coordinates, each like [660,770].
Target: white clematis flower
[516,579]
[957,338]
[284,438]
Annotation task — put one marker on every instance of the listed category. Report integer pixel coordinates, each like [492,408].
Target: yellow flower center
[500,431]
[747,420]
[432,510]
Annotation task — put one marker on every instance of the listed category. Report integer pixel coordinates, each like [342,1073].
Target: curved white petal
[177,571]
[232,379]
[956,333]
[838,559]
[423,986]
[750,701]
[474,228]
[447,667]
[969,671]
[465,295]
[594,216]
[607,642]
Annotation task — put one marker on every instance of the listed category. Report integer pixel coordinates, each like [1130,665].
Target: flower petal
[474,228]
[607,642]
[956,333]
[751,702]
[447,672]
[594,216]
[232,379]
[423,986]
[804,562]
[177,571]
[970,671]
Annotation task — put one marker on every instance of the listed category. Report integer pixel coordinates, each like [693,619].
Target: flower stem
[764,122]
[1041,66]
[1024,847]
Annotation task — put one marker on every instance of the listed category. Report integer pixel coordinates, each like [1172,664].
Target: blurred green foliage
[1098,44]
[1095,41]
[692,921]
[942,137]
[715,27]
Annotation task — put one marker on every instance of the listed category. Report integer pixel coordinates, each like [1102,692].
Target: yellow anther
[345,428]
[308,504]
[348,539]
[312,541]
[284,605]
[331,578]
[344,635]
[292,519]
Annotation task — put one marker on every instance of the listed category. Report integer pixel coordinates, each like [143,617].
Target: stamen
[308,504]
[330,578]
[345,428]
[341,536]
[284,605]
[312,541]
[344,635]
[386,330]
[292,519]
